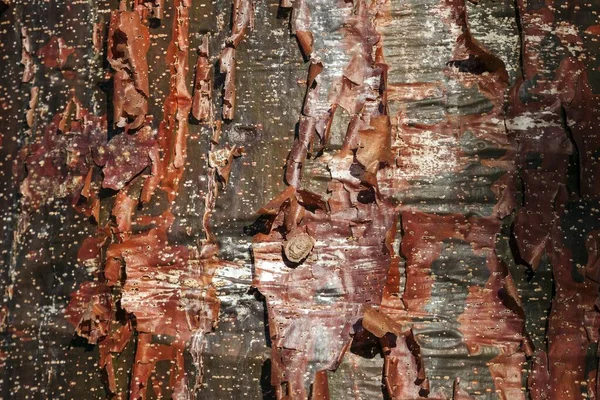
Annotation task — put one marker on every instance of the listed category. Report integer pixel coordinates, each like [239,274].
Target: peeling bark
[423,174]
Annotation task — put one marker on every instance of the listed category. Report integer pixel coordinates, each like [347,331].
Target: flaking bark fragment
[202,100]
[242,20]
[26,57]
[128,42]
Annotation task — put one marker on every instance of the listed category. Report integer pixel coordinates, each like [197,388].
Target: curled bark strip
[379,324]
[26,58]
[227,67]
[128,42]
[173,129]
[301,27]
[242,20]
[33,101]
[300,149]
[222,161]
[375,144]
[404,371]
[122,211]
[201,102]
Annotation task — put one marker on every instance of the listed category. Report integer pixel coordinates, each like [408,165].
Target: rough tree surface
[304,199]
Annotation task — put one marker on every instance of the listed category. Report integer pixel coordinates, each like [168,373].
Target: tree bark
[300,200]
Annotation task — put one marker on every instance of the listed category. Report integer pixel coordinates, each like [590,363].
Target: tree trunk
[300,200]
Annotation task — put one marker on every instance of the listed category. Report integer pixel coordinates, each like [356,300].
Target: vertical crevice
[519,23]
[574,169]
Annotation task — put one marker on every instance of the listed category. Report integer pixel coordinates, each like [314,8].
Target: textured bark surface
[305,199]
